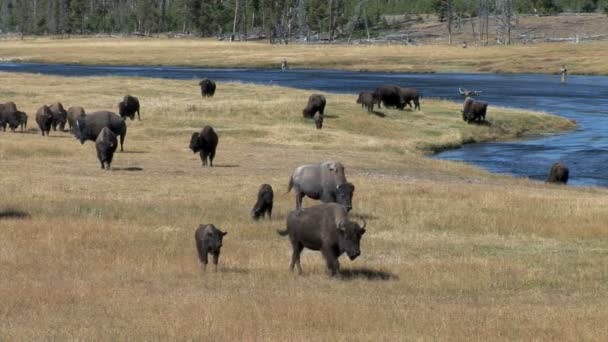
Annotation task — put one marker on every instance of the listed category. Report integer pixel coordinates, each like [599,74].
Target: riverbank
[450,252]
[584,58]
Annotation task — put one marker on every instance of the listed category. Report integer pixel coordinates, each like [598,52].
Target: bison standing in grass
[325,182]
[324,228]
[558,174]
[205,142]
[316,103]
[9,115]
[208,239]
[474,111]
[44,118]
[106,144]
[366,99]
[128,107]
[207,87]
[89,126]
[410,95]
[60,116]
[389,96]
[263,205]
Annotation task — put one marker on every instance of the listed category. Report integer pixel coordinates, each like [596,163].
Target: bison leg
[204,157]
[211,156]
[202,253]
[416,104]
[270,212]
[216,258]
[299,196]
[333,266]
[295,257]
[122,140]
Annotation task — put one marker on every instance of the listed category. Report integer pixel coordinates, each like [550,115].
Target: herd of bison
[326,227]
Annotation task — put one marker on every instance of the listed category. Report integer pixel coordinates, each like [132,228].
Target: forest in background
[277,20]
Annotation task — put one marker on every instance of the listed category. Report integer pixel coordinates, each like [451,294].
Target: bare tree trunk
[449,10]
[236,12]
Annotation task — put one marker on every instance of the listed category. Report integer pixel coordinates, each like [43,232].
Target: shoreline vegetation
[450,252]
[546,58]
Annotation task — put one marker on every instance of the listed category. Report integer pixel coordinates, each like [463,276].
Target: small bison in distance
[60,116]
[22,117]
[390,96]
[366,99]
[264,203]
[128,107]
[318,120]
[89,126]
[410,95]
[208,239]
[73,114]
[324,228]
[558,174]
[9,115]
[44,118]
[106,144]
[316,103]
[207,87]
[474,111]
[205,142]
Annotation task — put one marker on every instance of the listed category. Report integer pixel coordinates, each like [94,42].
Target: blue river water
[582,98]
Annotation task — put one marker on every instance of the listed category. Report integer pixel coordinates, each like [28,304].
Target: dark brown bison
[410,95]
[44,118]
[316,103]
[474,111]
[106,144]
[366,99]
[128,107]
[73,114]
[208,239]
[89,126]
[60,116]
[325,181]
[22,116]
[9,116]
[324,228]
[389,96]
[263,205]
[558,174]
[205,142]
[318,120]
[207,87]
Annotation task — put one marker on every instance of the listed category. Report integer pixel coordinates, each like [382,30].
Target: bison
[73,114]
[558,174]
[208,239]
[128,107]
[89,126]
[9,115]
[474,110]
[264,203]
[205,142]
[44,118]
[106,144]
[316,103]
[324,228]
[207,87]
[390,96]
[411,94]
[60,116]
[318,120]
[22,116]
[325,181]
[366,99]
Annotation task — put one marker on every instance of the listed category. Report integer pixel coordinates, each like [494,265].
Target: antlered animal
[208,239]
[474,110]
[325,181]
[324,228]
[263,205]
[559,173]
[89,126]
[411,94]
[207,87]
[44,118]
[316,103]
[73,114]
[366,99]
[60,116]
[390,96]
[106,144]
[205,142]
[128,107]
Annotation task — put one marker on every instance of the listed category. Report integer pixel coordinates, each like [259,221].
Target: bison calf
[366,99]
[106,144]
[205,142]
[128,107]
[207,87]
[474,110]
[44,118]
[318,120]
[558,174]
[316,103]
[264,203]
[208,239]
[411,94]
[324,228]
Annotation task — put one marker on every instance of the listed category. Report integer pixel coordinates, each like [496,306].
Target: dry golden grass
[587,58]
[452,252]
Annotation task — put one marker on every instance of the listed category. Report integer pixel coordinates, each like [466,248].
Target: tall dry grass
[452,252]
[585,58]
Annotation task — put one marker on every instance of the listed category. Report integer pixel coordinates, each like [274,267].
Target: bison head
[214,238]
[349,238]
[79,131]
[344,195]
[195,142]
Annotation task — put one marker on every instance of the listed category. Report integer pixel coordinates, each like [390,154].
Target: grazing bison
[325,181]
[205,142]
[73,114]
[9,116]
[89,126]
[390,96]
[411,94]
[264,203]
[22,116]
[474,110]
[324,228]
[44,118]
[128,106]
[558,174]
[366,99]
[207,87]
[208,239]
[60,116]
[106,144]
[318,120]
[316,103]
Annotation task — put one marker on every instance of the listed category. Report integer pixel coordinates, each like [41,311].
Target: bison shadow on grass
[366,274]
[10,213]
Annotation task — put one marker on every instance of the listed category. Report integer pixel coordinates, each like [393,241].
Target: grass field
[585,58]
[451,253]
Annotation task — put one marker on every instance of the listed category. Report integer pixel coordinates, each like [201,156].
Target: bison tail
[290,185]
[283,232]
